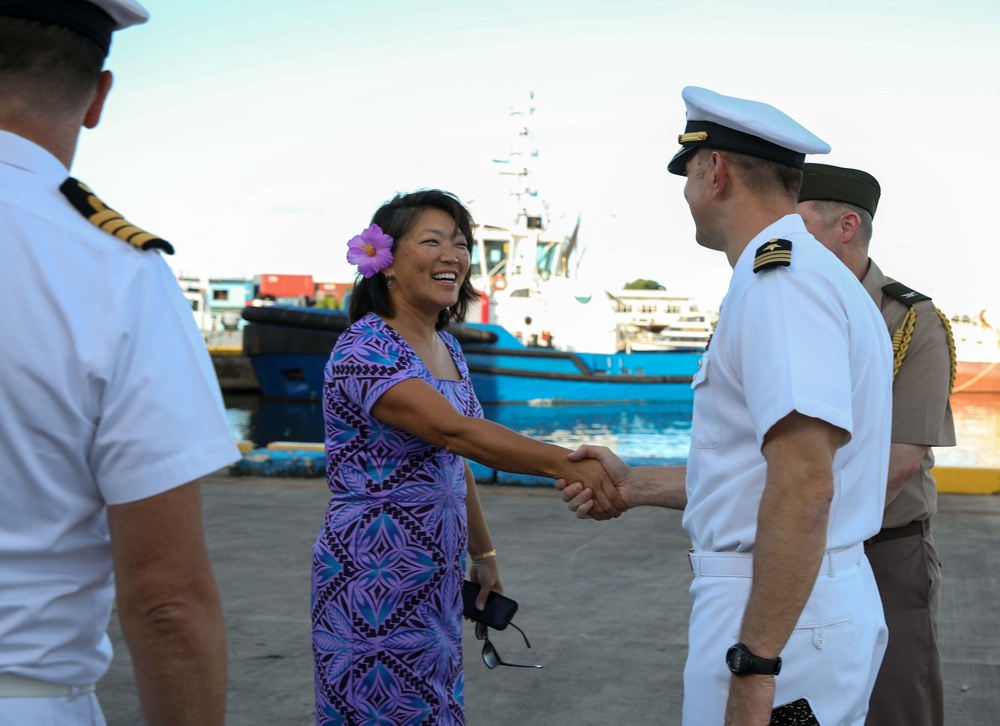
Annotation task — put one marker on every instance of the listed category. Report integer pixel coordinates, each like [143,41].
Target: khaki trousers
[909,688]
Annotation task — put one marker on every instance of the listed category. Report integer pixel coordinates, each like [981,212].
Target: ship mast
[530,212]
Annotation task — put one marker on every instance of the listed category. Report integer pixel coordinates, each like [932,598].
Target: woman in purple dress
[401,418]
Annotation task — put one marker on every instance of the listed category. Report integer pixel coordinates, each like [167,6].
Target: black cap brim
[83,17]
[678,164]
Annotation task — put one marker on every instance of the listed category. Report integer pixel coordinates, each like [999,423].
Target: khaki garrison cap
[837,184]
[735,124]
[96,19]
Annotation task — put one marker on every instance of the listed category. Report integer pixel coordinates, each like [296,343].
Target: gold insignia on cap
[773,253]
[99,214]
[692,136]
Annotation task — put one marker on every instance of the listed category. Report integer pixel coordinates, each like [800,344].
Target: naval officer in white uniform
[109,409]
[786,475]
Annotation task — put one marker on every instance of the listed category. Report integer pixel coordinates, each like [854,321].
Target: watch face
[735,659]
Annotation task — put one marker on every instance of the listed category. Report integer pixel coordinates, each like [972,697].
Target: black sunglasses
[491,658]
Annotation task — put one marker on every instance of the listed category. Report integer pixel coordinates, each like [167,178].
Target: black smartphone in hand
[498,612]
[796,713]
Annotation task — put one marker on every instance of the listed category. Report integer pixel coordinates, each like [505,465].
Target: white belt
[15,686]
[740,564]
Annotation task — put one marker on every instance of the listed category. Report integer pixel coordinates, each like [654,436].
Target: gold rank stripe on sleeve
[102,216]
[773,253]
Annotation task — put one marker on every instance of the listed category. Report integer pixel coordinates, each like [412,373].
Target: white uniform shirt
[803,338]
[107,396]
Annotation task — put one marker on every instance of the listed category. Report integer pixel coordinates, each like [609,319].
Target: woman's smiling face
[430,263]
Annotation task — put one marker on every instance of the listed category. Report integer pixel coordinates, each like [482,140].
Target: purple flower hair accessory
[371,251]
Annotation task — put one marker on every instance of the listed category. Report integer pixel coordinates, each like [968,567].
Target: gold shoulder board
[101,215]
[773,253]
[905,295]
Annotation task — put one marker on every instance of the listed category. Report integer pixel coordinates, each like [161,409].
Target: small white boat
[690,332]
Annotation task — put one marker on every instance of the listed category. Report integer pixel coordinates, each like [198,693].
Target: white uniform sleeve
[162,421]
[792,344]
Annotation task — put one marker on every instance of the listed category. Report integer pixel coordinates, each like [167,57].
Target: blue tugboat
[540,333]
[289,347]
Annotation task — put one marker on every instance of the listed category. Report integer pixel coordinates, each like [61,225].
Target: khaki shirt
[921,410]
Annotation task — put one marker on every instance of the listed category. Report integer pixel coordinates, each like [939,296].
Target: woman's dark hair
[396,218]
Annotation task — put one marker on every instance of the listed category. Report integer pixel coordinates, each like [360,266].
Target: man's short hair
[830,211]
[46,69]
[763,175]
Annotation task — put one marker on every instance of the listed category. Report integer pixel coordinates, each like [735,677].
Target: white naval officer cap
[96,19]
[748,127]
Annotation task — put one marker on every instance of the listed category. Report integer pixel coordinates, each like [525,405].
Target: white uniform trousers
[80,710]
[831,659]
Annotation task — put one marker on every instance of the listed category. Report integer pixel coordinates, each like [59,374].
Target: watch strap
[742,662]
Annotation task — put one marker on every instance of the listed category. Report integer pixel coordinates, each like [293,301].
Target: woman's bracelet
[485,556]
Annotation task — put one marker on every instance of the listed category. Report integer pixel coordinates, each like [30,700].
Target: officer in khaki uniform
[837,205]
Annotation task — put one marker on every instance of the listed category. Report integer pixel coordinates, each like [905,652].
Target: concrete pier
[605,606]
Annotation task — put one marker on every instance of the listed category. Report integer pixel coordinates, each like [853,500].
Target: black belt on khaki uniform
[907,530]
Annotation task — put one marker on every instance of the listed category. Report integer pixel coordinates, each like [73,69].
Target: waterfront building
[227,296]
[650,310]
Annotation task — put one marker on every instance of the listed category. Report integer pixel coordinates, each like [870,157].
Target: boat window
[546,258]
[495,251]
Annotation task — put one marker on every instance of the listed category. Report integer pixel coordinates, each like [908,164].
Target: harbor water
[647,433]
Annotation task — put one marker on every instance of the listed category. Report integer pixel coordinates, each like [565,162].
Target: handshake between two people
[622,486]
[602,494]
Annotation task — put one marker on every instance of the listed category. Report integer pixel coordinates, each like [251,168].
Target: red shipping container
[284,286]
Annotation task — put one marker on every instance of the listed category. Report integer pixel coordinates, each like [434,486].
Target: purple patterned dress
[387,569]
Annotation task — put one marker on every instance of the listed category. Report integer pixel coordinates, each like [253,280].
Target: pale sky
[259,137]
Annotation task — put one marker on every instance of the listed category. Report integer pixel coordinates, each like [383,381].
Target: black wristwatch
[742,662]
